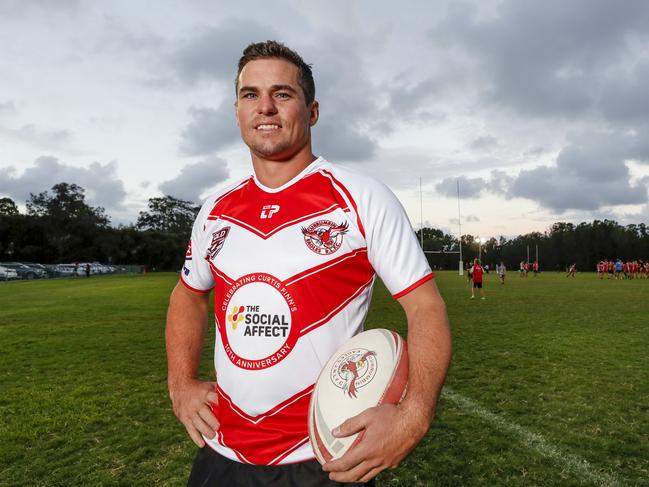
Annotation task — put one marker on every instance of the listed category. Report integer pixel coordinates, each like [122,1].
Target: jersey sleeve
[392,246]
[196,273]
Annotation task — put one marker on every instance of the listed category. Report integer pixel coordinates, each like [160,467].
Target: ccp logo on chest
[268,211]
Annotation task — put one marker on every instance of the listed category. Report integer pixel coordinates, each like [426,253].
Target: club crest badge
[324,237]
[354,369]
[218,239]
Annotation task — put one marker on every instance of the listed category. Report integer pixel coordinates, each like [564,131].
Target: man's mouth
[267,127]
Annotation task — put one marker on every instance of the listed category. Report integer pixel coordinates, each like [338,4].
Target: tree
[65,204]
[72,227]
[169,215]
[8,207]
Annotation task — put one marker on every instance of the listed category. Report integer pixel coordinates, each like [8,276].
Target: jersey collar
[310,169]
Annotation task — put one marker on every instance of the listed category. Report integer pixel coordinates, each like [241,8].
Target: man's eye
[249,96]
[282,95]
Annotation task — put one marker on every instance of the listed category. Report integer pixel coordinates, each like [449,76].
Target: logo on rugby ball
[324,237]
[354,369]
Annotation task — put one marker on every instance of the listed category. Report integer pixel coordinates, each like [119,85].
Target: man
[291,254]
[618,269]
[476,276]
[572,270]
[502,271]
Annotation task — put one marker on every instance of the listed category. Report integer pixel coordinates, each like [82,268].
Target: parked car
[67,270]
[24,271]
[7,274]
[46,272]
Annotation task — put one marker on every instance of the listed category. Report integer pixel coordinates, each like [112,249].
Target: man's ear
[236,113]
[315,113]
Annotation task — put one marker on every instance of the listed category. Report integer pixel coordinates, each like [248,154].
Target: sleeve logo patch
[218,239]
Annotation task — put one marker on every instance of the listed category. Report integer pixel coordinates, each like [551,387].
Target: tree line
[561,245]
[60,226]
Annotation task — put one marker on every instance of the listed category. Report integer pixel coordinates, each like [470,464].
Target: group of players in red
[634,269]
[525,267]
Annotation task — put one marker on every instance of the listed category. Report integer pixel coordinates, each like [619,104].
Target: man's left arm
[392,432]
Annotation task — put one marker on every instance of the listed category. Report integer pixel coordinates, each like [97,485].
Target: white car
[7,274]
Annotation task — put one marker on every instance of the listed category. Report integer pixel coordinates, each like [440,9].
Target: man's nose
[267,105]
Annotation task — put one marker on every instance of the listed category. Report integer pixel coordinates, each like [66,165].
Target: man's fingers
[347,462]
[207,415]
[212,397]
[195,435]
[352,475]
[351,426]
[371,474]
[203,428]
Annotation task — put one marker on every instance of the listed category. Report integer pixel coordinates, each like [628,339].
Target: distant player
[477,273]
[535,268]
[618,269]
[502,270]
[572,270]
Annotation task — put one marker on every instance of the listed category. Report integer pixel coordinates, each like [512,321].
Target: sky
[537,109]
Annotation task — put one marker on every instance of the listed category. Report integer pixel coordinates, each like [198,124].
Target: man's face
[271,112]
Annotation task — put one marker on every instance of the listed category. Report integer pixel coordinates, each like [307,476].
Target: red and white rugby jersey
[292,270]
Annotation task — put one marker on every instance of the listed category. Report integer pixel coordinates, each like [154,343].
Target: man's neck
[274,174]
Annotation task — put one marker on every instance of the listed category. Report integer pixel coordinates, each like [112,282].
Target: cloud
[14,8]
[103,187]
[472,218]
[341,142]
[195,178]
[553,58]
[484,142]
[469,187]
[626,98]
[209,130]
[590,173]
[33,135]
[7,108]
[212,54]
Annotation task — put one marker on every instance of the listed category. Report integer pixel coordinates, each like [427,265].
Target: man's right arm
[185,333]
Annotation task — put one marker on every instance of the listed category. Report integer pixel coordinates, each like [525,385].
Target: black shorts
[211,469]
[477,285]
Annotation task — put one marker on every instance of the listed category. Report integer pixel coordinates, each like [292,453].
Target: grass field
[549,385]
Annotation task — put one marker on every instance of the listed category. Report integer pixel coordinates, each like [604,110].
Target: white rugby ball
[368,370]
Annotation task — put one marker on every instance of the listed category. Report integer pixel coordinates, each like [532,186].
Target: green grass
[563,362]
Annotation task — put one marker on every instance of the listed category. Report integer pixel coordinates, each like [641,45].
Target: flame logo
[236,316]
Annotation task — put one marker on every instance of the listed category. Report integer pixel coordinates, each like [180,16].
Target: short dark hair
[274,49]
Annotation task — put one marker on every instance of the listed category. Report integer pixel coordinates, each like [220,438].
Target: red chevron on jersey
[266,213]
[282,428]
